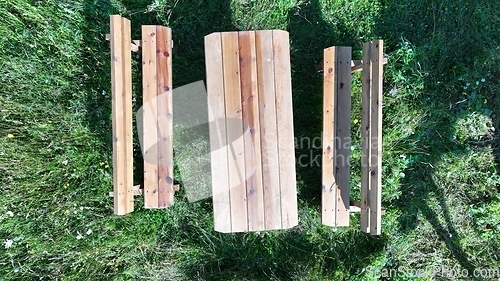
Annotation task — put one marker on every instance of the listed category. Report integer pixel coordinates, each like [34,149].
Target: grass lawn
[441,173]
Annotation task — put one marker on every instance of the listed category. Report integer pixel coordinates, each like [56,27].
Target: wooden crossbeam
[136,45]
[138,190]
[121,88]
[356,65]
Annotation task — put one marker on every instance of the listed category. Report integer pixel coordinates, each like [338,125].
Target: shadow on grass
[449,37]
[309,36]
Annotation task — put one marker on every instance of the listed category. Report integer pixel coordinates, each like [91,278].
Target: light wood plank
[366,137]
[218,135]
[268,129]
[127,114]
[284,114]
[150,111]
[343,134]
[119,143]
[231,57]
[376,136]
[329,188]
[250,107]
[165,117]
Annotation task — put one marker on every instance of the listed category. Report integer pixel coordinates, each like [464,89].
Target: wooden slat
[328,158]
[366,137]
[117,89]
[235,145]
[218,135]
[250,107]
[150,110]
[268,130]
[165,124]
[284,114]
[357,65]
[343,134]
[376,137]
[127,114]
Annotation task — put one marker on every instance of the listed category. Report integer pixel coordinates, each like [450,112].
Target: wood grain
[127,115]
[366,137]
[328,196]
[165,117]
[376,138]
[343,134]
[250,108]
[268,129]
[218,135]
[150,111]
[235,144]
[119,137]
[284,120]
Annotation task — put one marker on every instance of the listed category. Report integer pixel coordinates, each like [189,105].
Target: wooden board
[268,129]
[284,120]
[343,134]
[165,117]
[218,135]
[329,187]
[235,144]
[127,112]
[371,165]
[336,136]
[150,111]
[256,84]
[250,110]
[366,137]
[121,88]
[376,138]
[157,116]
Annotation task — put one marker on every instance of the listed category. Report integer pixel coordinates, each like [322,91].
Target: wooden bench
[253,174]
[157,116]
[336,206]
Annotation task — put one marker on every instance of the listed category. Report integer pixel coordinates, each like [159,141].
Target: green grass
[441,174]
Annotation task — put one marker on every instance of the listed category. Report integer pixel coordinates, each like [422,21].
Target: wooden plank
[366,137]
[328,158]
[376,136]
[165,117]
[150,133]
[250,108]
[119,177]
[231,57]
[357,65]
[343,134]
[127,114]
[284,114]
[218,135]
[268,129]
